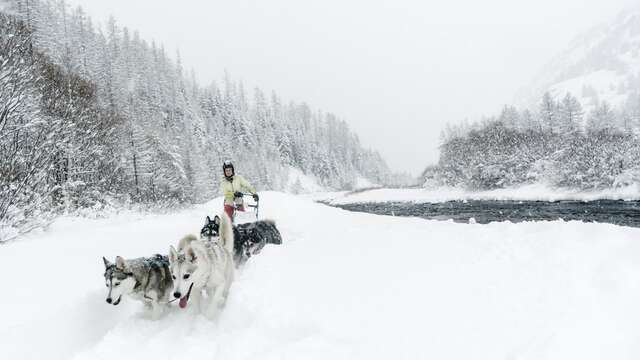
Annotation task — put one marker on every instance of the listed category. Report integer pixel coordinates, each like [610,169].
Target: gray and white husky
[145,279]
[203,265]
[248,238]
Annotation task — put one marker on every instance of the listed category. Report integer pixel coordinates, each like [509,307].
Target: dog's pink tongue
[183,302]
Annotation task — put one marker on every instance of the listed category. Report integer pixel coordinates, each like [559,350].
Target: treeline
[92,117]
[558,145]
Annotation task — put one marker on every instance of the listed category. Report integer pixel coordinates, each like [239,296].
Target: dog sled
[245,212]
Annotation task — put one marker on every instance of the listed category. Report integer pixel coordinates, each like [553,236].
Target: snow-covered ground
[343,286]
[529,192]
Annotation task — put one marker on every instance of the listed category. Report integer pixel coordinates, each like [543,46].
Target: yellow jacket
[238,184]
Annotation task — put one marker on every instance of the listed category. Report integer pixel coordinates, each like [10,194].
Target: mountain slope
[601,65]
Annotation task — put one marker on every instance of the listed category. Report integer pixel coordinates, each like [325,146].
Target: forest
[559,145]
[95,117]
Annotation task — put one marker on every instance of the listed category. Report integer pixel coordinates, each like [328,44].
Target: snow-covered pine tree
[601,118]
[571,114]
[554,150]
[549,113]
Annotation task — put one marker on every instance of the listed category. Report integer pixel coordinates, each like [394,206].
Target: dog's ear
[216,220]
[208,220]
[119,262]
[106,262]
[173,254]
[191,254]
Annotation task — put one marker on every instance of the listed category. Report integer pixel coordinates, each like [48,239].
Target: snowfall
[343,285]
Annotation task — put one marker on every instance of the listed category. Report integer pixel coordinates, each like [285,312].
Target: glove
[256,197]
[238,194]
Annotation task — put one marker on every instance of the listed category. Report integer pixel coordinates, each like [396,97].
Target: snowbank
[343,286]
[529,192]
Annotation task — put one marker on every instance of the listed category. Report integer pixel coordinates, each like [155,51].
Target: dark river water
[617,212]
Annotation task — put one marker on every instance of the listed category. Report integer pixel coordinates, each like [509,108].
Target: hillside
[600,65]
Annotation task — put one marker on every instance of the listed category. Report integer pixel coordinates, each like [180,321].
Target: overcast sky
[395,70]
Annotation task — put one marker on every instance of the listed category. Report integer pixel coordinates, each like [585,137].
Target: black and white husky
[199,265]
[249,238]
[145,279]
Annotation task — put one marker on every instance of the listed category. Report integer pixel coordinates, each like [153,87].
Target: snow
[604,83]
[300,183]
[362,183]
[604,61]
[534,192]
[343,286]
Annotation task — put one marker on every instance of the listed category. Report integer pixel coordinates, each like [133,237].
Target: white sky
[395,70]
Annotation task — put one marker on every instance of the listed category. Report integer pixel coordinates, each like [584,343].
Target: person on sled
[233,188]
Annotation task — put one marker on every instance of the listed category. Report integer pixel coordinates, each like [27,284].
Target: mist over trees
[588,144]
[93,117]
[558,145]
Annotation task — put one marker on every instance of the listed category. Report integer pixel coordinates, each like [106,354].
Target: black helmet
[228,165]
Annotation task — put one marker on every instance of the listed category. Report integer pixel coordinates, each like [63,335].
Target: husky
[249,238]
[145,279]
[199,265]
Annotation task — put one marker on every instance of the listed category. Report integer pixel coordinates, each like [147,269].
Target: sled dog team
[197,273]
